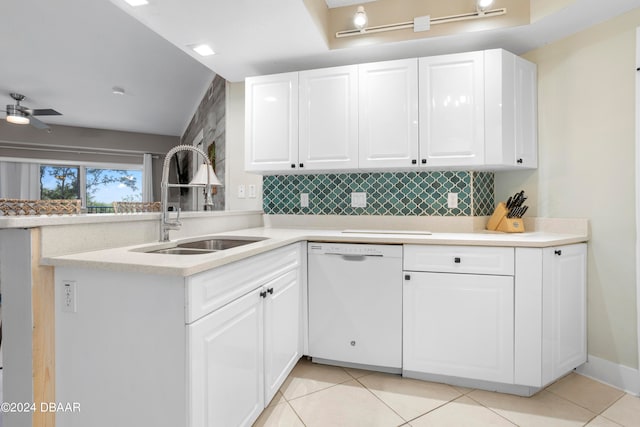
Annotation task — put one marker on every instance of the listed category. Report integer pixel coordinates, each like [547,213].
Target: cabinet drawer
[210,290]
[459,259]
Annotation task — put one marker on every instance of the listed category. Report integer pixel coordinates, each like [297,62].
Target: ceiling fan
[21,115]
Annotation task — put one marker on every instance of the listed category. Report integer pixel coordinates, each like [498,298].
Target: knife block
[500,222]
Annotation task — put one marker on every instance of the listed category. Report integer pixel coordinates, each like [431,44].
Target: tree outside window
[59,182]
[103,186]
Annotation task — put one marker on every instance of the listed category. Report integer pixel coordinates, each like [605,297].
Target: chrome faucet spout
[166,223]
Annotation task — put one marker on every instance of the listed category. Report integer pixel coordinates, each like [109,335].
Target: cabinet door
[452,109]
[388,114]
[329,118]
[564,332]
[282,346]
[271,122]
[458,325]
[526,114]
[226,365]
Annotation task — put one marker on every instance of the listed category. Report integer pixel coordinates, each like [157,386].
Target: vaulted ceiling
[69,54]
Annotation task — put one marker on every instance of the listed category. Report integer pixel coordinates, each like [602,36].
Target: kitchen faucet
[167,224]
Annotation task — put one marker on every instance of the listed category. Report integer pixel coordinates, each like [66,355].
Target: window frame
[82,173]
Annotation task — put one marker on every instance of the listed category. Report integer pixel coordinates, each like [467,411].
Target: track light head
[360,18]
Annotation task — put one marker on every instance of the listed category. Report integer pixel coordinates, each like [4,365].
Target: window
[59,182]
[104,186]
[98,187]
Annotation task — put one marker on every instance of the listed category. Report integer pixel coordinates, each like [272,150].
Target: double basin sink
[208,245]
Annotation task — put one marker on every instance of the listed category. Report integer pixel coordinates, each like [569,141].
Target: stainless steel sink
[181,251]
[219,243]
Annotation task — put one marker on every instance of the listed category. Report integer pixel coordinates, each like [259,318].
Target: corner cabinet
[551,325]
[224,339]
[478,110]
[511,124]
[506,319]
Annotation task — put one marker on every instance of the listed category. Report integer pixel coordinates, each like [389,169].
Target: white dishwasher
[355,305]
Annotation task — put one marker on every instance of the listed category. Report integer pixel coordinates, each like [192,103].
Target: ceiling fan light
[483,5]
[360,18]
[16,116]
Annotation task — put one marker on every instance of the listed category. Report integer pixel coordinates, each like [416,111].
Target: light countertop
[134,259]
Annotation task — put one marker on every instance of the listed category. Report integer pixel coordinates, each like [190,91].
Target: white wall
[235,174]
[586,168]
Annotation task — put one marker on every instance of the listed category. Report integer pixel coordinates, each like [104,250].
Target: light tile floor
[324,396]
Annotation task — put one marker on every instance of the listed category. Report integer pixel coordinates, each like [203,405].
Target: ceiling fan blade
[37,123]
[45,112]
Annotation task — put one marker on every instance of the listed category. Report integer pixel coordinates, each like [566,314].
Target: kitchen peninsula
[137,313]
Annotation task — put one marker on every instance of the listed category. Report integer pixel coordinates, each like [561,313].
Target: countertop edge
[131,259]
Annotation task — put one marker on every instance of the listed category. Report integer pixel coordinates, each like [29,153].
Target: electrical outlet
[69,296]
[252,191]
[241,194]
[452,200]
[304,200]
[358,200]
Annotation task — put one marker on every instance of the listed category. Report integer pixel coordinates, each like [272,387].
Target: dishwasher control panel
[354,249]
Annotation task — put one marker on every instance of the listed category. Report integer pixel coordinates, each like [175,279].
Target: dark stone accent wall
[210,117]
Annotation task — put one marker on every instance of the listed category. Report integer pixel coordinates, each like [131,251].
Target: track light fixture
[421,23]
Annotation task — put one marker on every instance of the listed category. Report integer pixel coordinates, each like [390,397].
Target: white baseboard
[619,376]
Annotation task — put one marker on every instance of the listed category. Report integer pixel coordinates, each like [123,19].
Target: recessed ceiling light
[203,50]
[117,90]
[135,3]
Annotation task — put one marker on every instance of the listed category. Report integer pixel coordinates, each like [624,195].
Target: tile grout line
[382,401]
[322,389]
[579,405]
[296,412]
[492,410]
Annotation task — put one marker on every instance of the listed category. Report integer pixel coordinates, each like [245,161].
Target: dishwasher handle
[348,257]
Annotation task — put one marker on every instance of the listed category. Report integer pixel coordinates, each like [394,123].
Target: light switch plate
[304,200]
[452,200]
[358,200]
[241,193]
[252,191]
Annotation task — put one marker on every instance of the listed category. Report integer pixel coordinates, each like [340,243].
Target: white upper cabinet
[328,126]
[452,110]
[271,122]
[467,111]
[388,114]
[510,111]
[526,117]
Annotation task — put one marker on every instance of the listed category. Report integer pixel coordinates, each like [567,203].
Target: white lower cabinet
[459,325]
[282,345]
[515,329]
[226,364]
[458,312]
[240,354]
[205,350]
[551,313]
